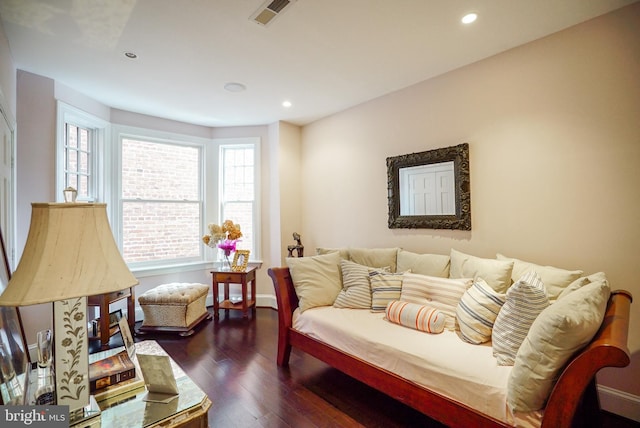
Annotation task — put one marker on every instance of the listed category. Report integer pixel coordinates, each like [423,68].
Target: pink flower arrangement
[228,246]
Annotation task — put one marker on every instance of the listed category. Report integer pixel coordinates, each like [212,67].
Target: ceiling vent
[269,10]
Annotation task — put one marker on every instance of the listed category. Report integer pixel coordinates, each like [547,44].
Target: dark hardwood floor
[233,361]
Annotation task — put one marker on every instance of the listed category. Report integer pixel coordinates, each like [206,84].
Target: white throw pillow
[497,273]
[477,311]
[356,289]
[440,293]
[525,300]
[559,331]
[424,264]
[316,279]
[555,279]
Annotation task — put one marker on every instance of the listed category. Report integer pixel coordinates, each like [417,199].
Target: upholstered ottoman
[175,307]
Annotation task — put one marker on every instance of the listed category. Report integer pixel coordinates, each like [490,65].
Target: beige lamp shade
[70,252]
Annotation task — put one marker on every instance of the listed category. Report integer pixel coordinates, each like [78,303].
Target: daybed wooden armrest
[573,395]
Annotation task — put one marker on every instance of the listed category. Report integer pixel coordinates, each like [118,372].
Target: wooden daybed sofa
[572,402]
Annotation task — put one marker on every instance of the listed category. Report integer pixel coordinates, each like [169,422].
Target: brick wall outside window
[161,201]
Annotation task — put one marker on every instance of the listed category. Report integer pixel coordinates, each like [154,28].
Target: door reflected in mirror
[427,190]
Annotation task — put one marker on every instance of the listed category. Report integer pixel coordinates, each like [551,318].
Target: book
[111,371]
[119,389]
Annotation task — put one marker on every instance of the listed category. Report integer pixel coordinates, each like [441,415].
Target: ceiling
[322,56]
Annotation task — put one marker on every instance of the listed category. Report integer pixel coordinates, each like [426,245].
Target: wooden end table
[227,277]
[104,301]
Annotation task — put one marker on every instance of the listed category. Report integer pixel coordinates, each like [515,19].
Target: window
[161,201]
[161,189]
[238,178]
[80,162]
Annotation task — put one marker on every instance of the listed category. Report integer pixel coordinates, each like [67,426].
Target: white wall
[554,134]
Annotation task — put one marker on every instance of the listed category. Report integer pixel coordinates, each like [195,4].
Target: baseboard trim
[619,402]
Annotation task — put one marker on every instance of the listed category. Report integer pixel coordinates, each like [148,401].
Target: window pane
[241,213]
[155,231]
[158,171]
[84,139]
[72,160]
[72,136]
[83,186]
[84,163]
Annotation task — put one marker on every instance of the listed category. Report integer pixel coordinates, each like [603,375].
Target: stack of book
[113,375]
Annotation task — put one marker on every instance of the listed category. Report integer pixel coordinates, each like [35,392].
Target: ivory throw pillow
[525,300]
[316,279]
[440,293]
[424,264]
[554,279]
[385,288]
[497,273]
[356,289]
[375,257]
[477,311]
[559,331]
[417,317]
[581,282]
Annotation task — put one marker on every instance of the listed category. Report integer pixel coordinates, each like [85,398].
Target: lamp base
[71,353]
[87,416]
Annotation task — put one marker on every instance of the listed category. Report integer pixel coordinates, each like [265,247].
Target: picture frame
[240,260]
[127,337]
[14,358]
[114,319]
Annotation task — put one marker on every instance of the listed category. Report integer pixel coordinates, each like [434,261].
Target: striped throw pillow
[385,287]
[477,311]
[440,293]
[525,300]
[356,290]
[418,317]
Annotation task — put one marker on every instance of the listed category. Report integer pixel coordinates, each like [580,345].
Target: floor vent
[269,10]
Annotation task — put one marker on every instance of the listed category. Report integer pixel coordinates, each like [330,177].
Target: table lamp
[70,254]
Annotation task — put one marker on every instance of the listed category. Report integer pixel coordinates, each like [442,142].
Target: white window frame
[121,132]
[255,254]
[98,163]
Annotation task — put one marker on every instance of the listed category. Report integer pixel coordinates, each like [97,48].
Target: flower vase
[223,259]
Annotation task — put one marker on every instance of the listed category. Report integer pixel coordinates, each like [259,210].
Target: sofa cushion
[385,288]
[477,311]
[424,264]
[497,273]
[356,289]
[316,279]
[418,317]
[554,279]
[557,333]
[581,282]
[375,257]
[525,300]
[440,293]
[344,252]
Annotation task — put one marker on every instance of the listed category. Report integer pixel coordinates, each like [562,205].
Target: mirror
[430,190]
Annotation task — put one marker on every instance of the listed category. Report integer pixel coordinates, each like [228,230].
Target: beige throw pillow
[424,264]
[375,257]
[316,279]
[497,273]
[555,279]
[559,331]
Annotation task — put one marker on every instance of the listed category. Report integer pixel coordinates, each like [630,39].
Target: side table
[227,277]
[103,301]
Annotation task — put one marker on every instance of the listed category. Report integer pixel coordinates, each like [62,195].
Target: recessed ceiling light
[234,87]
[469,18]
[130,55]
[286,104]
